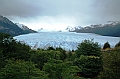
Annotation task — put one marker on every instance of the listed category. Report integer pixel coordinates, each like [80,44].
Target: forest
[89,61]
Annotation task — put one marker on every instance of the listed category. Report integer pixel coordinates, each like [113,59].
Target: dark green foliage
[88,48]
[63,54]
[59,48]
[106,45]
[73,51]
[58,69]
[118,44]
[21,70]
[89,58]
[70,56]
[3,36]
[51,48]
[70,72]
[14,49]
[2,58]
[111,63]
[90,66]
[40,57]
[19,61]
[10,48]
[54,68]
[2,62]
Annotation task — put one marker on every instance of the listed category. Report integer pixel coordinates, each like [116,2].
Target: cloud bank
[58,14]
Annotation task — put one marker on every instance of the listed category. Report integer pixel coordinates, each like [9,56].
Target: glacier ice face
[66,40]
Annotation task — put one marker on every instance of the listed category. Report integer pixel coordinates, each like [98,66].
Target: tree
[2,62]
[118,44]
[70,71]
[19,69]
[89,58]
[14,49]
[106,45]
[63,54]
[90,66]
[88,48]
[111,65]
[58,69]
[54,68]
[4,35]
[39,58]
[69,56]
[50,48]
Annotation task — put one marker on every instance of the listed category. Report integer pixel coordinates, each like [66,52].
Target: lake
[66,40]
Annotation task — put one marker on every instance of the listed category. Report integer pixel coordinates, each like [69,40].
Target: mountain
[69,28]
[25,28]
[111,28]
[7,26]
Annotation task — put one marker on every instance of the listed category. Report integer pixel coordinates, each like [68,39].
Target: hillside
[112,28]
[25,28]
[7,26]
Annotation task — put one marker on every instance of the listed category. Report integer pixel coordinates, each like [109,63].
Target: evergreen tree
[118,44]
[88,48]
[89,58]
[106,45]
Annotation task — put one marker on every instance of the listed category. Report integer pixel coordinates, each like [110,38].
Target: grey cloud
[21,8]
[84,11]
[107,9]
[41,7]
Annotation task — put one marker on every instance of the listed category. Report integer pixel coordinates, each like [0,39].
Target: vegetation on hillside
[19,61]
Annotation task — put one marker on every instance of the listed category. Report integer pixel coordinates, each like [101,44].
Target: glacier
[65,40]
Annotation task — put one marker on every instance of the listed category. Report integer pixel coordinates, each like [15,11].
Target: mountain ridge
[112,28]
[7,26]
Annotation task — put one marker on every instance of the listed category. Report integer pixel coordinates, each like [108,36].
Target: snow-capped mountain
[70,28]
[7,26]
[22,26]
[110,28]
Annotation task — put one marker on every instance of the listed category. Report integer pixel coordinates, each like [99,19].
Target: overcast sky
[58,14]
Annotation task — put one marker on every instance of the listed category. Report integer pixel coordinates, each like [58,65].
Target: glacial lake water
[66,40]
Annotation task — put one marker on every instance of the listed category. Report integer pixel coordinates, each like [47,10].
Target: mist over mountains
[111,28]
[14,29]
